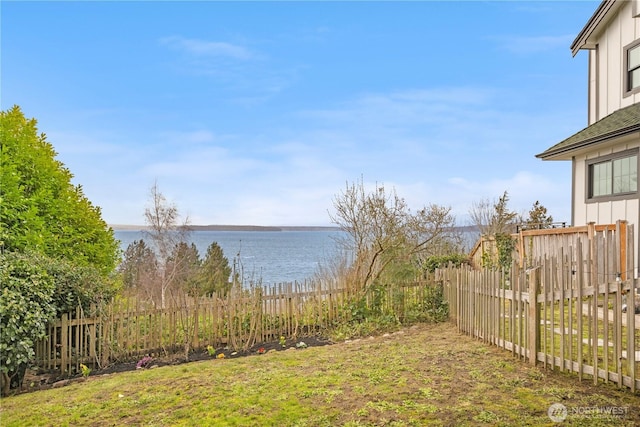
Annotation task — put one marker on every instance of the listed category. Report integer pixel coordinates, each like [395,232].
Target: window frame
[626,73]
[610,158]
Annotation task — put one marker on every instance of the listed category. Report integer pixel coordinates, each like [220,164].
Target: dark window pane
[634,79]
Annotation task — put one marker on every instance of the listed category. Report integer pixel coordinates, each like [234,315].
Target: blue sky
[261,112]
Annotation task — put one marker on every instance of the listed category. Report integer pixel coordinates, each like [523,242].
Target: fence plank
[580,311]
[534,317]
[631,336]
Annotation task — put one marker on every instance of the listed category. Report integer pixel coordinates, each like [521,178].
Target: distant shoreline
[128,227]
[218,227]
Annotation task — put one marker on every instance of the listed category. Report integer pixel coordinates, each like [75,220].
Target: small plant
[211,350]
[220,356]
[85,370]
[301,344]
[261,350]
[486,417]
[144,362]
[536,375]
[283,341]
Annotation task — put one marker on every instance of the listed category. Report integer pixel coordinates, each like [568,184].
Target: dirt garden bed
[41,380]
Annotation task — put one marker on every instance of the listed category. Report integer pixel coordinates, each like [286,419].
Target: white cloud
[198,47]
[410,106]
[245,76]
[449,146]
[77,143]
[192,137]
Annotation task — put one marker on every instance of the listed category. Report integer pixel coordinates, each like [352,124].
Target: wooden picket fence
[126,330]
[563,310]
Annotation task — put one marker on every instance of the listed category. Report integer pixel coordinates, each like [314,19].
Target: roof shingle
[618,123]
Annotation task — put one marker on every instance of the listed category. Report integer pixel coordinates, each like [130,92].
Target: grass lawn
[423,375]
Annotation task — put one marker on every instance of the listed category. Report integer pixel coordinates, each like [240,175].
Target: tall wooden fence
[563,310]
[532,244]
[610,244]
[126,330]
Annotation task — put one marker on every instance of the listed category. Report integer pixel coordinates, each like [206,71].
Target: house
[604,156]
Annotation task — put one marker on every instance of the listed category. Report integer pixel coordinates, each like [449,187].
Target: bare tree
[164,231]
[481,215]
[381,230]
[493,217]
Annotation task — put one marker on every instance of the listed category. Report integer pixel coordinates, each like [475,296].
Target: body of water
[268,256]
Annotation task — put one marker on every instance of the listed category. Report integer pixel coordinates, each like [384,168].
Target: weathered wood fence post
[65,349]
[534,316]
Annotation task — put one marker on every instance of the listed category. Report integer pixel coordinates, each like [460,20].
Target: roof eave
[559,153]
[582,40]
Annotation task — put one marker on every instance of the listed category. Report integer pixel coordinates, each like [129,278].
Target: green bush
[385,310]
[26,305]
[435,306]
[441,261]
[78,286]
[34,290]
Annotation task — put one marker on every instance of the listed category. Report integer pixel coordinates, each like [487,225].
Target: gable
[588,36]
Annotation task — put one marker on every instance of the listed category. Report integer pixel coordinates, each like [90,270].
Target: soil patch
[41,380]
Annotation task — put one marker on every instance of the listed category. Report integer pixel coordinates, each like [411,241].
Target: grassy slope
[427,374]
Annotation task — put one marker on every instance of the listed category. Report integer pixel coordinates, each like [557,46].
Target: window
[632,68]
[614,176]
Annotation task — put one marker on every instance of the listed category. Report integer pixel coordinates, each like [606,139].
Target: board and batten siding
[606,62]
[607,212]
